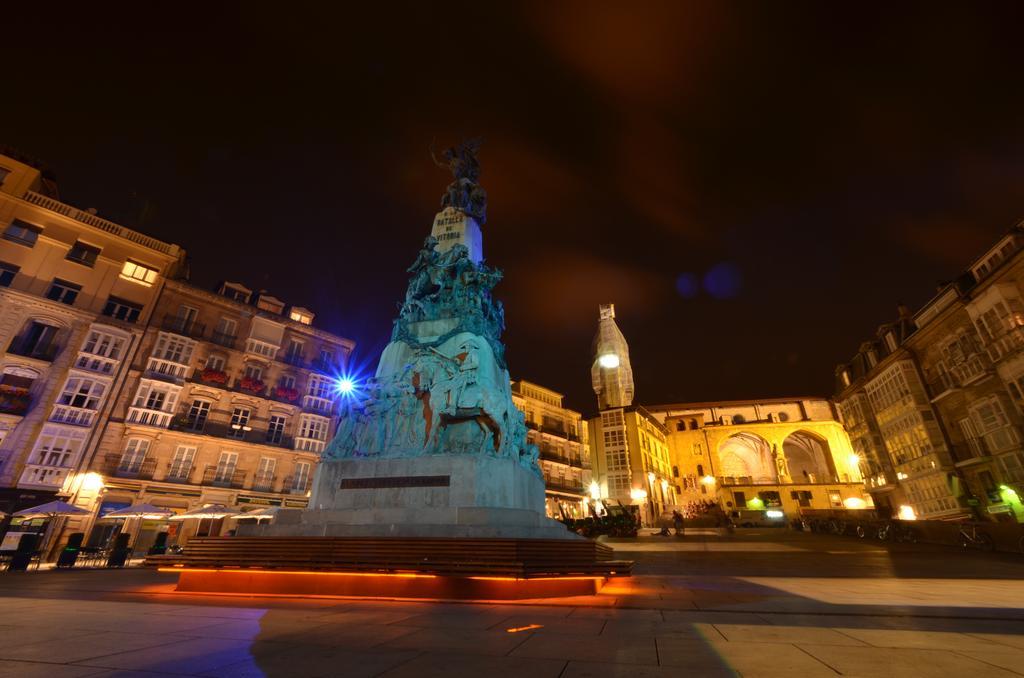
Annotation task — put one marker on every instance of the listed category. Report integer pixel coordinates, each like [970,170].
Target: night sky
[754,185]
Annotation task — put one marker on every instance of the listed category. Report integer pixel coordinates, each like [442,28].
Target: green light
[756,503]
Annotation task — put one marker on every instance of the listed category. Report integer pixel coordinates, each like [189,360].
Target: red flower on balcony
[214,376]
[251,385]
[285,393]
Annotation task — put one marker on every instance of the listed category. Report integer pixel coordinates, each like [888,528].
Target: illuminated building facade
[230,400]
[785,454]
[76,292]
[937,396]
[611,373]
[560,435]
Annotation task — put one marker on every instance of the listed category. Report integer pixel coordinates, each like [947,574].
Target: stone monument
[433,446]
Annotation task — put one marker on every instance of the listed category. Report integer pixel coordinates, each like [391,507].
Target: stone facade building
[560,435]
[230,400]
[934,401]
[782,453]
[76,292]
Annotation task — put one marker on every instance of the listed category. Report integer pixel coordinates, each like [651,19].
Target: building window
[215,362]
[254,372]
[63,291]
[58,447]
[226,467]
[225,333]
[140,273]
[133,456]
[7,273]
[740,499]
[890,341]
[294,352]
[299,316]
[301,478]
[181,463]
[35,341]
[119,309]
[287,381]
[197,415]
[320,387]
[173,349]
[275,429]
[326,358]
[22,233]
[265,474]
[4,172]
[103,345]
[83,254]
[240,422]
[313,427]
[83,393]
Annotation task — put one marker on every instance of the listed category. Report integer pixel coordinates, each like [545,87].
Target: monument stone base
[430,496]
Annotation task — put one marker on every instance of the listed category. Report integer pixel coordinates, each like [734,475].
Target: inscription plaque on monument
[395,481]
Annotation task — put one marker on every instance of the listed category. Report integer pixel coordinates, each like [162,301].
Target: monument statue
[464,193]
[434,446]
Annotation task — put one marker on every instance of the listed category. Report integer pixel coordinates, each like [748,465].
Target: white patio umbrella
[51,510]
[268,513]
[144,511]
[208,512]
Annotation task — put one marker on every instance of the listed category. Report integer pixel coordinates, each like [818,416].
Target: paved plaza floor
[759,603]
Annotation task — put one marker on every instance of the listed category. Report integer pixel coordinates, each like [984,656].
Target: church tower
[611,374]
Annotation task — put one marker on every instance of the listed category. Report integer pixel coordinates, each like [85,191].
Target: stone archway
[747,455]
[809,458]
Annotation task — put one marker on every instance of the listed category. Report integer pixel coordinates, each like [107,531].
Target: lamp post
[651,477]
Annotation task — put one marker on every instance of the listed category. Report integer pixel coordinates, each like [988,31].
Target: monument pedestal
[430,496]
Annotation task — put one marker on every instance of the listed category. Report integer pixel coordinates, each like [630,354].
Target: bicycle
[897,532]
[972,537]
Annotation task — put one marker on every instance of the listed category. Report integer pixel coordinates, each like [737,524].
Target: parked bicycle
[972,537]
[898,532]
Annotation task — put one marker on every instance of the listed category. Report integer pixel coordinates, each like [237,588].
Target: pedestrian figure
[677,521]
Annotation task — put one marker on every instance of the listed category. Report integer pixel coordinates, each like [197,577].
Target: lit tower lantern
[611,374]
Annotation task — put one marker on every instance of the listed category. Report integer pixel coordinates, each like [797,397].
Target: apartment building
[940,390]
[230,400]
[560,435]
[76,291]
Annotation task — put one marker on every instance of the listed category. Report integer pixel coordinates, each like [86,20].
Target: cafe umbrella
[50,510]
[208,512]
[140,511]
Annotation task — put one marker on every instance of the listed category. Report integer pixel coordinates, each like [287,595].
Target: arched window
[700,470]
[693,424]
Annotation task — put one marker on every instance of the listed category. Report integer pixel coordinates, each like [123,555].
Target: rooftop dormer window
[138,273]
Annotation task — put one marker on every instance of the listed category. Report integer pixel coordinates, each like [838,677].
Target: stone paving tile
[467,619]
[21,635]
[366,617]
[311,661]
[927,640]
[744,633]
[901,662]
[1008,639]
[599,670]
[657,629]
[713,617]
[513,610]
[15,669]
[757,659]
[617,613]
[85,647]
[195,655]
[356,637]
[1007,658]
[267,628]
[574,626]
[632,650]
[441,665]
[463,640]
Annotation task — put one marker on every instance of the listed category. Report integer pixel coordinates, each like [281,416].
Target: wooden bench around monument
[519,558]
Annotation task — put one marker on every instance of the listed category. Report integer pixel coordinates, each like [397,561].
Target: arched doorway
[747,455]
[808,458]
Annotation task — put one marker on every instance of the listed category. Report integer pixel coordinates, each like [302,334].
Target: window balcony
[263,482]
[76,416]
[33,349]
[146,417]
[568,486]
[309,444]
[120,466]
[45,477]
[224,476]
[223,339]
[322,406]
[166,369]
[184,327]
[295,485]
[1006,344]
[178,472]
[552,455]
[14,402]
[95,363]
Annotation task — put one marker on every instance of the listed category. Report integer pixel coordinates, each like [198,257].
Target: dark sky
[754,185]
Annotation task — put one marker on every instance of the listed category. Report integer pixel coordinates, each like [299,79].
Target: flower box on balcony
[250,384]
[214,376]
[285,393]
[13,403]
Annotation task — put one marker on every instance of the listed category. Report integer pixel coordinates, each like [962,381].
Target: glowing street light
[854,460]
[346,385]
[595,490]
[708,480]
